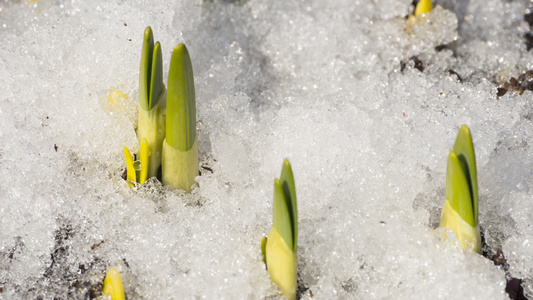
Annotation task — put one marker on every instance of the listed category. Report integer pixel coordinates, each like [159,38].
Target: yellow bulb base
[468,236]
[282,264]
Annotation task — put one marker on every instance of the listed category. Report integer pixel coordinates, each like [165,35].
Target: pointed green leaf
[281,215]
[156,76]
[151,123]
[458,190]
[464,149]
[181,101]
[289,190]
[146,68]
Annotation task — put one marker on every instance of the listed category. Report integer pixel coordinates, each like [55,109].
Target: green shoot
[151,100]
[464,149]
[180,147]
[151,72]
[289,190]
[458,190]
[279,249]
[285,215]
[181,101]
[461,205]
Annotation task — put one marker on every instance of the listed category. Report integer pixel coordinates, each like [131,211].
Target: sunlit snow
[365,112]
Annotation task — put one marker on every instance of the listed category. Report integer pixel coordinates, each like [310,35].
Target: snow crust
[335,87]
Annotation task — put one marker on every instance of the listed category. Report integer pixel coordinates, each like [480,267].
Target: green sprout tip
[181,101]
[279,249]
[460,211]
[151,100]
[180,147]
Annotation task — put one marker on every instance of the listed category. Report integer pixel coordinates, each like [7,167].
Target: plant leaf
[289,190]
[113,285]
[129,167]
[144,153]
[464,149]
[281,214]
[458,190]
[181,101]
[156,76]
[146,68]
[423,7]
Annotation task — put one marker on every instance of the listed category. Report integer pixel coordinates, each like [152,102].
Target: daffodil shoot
[137,171]
[151,100]
[279,248]
[144,154]
[167,119]
[180,147]
[460,211]
[113,285]
[422,7]
[131,177]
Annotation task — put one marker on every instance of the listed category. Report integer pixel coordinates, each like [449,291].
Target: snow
[335,87]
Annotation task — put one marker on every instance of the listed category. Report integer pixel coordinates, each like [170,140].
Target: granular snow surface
[365,110]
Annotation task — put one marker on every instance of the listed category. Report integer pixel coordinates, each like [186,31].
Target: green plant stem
[180,147]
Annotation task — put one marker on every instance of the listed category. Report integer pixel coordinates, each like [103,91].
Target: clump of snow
[365,110]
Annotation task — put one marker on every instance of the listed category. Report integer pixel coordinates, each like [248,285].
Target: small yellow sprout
[144,153]
[113,285]
[279,249]
[137,171]
[422,7]
[131,177]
